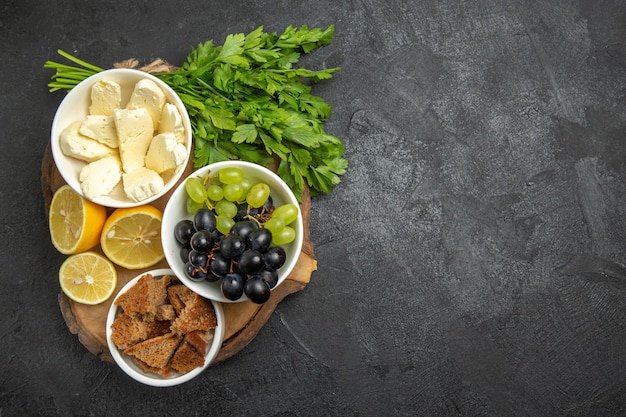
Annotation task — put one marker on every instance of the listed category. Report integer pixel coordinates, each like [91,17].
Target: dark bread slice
[200,340]
[165,312]
[157,351]
[158,328]
[198,314]
[128,330]
[165,372]
[178,296]
[186,358]
[145,296]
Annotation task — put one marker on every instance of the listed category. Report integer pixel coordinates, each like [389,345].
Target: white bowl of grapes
[232,231]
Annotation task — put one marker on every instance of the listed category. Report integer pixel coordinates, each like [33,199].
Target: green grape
[274,225]
[287,212]
[246,184]
[283,236]
[195,190]
[233,192]
[230,175]
[257,195]
[214,192]
[226,208]
[191,206]
[224,224]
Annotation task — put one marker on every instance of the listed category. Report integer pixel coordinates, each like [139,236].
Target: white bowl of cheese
[121,138]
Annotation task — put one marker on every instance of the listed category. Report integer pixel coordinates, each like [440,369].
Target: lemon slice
[131,237]
[75,223]
[87,278]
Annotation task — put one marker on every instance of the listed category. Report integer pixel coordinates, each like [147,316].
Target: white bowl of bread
[161,333]
[121,138]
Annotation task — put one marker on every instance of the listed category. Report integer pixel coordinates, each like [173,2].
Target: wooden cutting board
[243,320]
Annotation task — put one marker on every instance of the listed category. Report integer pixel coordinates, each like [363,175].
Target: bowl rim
[84,87]
[156,380]
[209,290]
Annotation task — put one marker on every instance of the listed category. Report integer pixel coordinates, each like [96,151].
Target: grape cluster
[235,235]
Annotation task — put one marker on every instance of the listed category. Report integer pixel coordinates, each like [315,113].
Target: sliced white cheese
[100,128]
[172,122]
[165,153]
[100,177]
[142,184]
[78,146]
[148,95]
[106,95]
[134,132]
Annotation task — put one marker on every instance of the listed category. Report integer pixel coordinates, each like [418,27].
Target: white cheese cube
[100,177]
[106,95]
[172,122]
[148,95]
[165,153]
[100,128]
[75,145]
[142,183]
[134,132]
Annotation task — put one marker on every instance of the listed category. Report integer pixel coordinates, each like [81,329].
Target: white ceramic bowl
[132,370]
[175,211]
[75,106]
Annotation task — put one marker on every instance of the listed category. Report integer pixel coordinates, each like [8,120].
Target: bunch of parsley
[247,100]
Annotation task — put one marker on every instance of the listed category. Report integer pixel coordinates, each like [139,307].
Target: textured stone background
[471,263]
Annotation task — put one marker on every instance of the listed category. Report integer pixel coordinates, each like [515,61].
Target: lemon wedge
[75,223]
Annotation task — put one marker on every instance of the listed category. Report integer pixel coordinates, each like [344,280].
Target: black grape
[204,219]
[251,261]
[274,258]
[183,231]
[198,259]
[184,253]
[242,210]
[259,240]
[202,241]
[257,290]
[232,246]
[219,265]
[271,277]
[232,286]
[193,273]
[243,228]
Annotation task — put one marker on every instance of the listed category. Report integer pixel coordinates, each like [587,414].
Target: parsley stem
[79,61]
[212,90]
[70,75]
[59,66]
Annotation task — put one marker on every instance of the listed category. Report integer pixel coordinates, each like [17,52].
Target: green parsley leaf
[245,133]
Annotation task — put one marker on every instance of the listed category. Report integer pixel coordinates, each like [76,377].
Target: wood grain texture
[243,320]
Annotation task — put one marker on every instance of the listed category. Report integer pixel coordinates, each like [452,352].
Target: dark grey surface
[471,263]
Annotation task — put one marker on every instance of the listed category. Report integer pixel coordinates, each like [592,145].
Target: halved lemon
[88,278]
[75,223]
[131,237]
